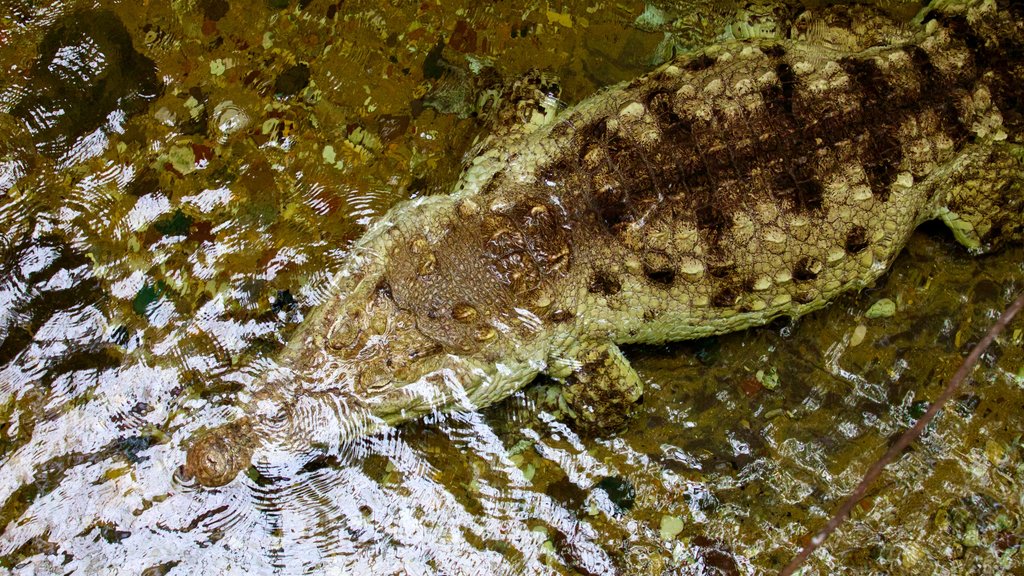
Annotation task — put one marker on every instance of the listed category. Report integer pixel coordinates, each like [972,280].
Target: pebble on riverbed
[72,97]
[884,308]
[671,526]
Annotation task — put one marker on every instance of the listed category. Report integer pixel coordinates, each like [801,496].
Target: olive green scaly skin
[751,180]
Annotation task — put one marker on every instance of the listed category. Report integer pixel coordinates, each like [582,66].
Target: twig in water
[909,436]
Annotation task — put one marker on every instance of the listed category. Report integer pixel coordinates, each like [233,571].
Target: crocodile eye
[345,331]
[423,352]
[369,385]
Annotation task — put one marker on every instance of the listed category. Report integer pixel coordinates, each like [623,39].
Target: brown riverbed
[180,178]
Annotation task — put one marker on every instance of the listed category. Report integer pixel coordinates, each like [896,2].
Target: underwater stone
[620,491]
[671,526]
[214,9]
[884,308]
[292,80]
[87,70]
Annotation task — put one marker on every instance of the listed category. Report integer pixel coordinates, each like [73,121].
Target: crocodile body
[750,180]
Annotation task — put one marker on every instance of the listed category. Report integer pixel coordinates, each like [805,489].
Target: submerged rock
[87,75]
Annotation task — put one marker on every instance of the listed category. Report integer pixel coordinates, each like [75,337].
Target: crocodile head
[425,319]
[417,322]
[384,359]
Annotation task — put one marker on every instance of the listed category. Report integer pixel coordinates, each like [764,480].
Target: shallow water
[179,181]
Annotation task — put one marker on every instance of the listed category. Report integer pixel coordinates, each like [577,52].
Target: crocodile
[749,180]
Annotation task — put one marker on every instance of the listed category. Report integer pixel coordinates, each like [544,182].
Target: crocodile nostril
[219,455]
[423,352]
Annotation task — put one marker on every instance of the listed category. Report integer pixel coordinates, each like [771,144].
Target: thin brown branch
[909,436]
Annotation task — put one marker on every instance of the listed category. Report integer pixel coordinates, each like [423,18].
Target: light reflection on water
[156,255]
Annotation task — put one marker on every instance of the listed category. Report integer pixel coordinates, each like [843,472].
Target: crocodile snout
[220,454]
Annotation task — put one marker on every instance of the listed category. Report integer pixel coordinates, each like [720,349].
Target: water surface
[180,179]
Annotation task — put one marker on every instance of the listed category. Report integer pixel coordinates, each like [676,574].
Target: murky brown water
[179,180]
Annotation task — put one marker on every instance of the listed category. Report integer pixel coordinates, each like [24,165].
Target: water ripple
[158,249]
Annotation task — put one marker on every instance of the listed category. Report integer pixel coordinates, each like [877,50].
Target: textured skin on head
[217,457]
[751,180]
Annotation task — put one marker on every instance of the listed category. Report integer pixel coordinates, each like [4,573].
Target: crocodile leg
[984,204]
[601,387]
